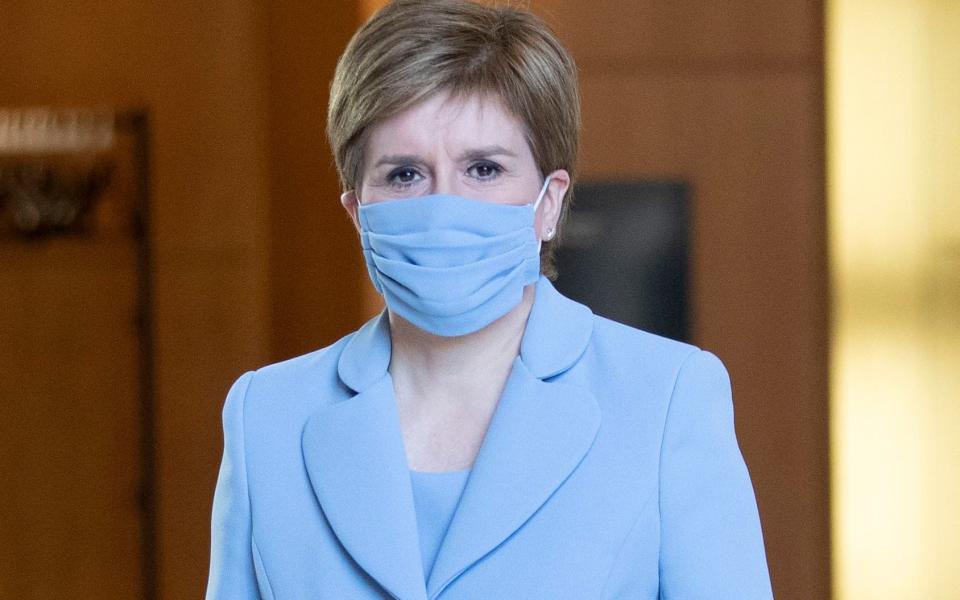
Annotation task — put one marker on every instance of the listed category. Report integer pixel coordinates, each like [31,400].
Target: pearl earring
[549,235]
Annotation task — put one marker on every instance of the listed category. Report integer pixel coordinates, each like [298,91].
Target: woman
[484,437]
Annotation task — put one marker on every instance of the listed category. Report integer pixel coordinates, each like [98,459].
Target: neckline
[439,473]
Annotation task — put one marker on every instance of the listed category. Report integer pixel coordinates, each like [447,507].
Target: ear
[548,213]
[349,201]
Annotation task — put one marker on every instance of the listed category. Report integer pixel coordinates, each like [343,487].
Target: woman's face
[470,146]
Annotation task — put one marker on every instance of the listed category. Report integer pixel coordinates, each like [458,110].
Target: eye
[485,170]
[403,177]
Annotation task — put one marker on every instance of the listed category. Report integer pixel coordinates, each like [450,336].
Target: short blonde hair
[412,49]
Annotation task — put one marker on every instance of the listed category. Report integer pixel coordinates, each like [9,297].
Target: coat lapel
[357,466]
[540,431]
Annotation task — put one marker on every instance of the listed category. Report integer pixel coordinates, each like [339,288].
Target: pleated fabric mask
[448,264]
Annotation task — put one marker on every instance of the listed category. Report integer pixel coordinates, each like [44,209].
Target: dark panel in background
[624,253]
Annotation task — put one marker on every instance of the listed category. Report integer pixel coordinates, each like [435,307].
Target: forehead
[445,122]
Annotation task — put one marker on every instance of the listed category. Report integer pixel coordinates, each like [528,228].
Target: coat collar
[557,332]
[540,431]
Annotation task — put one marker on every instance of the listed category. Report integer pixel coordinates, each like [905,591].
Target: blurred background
[169,219]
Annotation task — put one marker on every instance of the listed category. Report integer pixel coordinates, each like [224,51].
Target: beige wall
[894,106]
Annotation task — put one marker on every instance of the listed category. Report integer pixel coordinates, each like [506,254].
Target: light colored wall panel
[894,73]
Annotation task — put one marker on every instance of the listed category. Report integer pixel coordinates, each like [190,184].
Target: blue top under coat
[435,497]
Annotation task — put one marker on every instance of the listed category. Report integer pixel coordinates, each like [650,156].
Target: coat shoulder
[622,344]
[309,378]
[633,373]
[304,365]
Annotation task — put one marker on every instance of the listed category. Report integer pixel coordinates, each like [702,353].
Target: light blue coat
[610,469]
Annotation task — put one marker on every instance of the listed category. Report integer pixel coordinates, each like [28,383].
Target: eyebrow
[484,152]
[469,154]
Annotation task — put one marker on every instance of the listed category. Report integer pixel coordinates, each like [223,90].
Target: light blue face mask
[448,264]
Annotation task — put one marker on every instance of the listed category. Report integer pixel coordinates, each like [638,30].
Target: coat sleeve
[232,574]
[711,541]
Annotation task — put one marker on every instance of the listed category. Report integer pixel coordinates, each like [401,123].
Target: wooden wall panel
[199,69]
[670,36]
[69,511]
[253,258]
[209,96]
[316,264]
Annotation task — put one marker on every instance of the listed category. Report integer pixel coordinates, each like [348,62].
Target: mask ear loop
[543,191]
